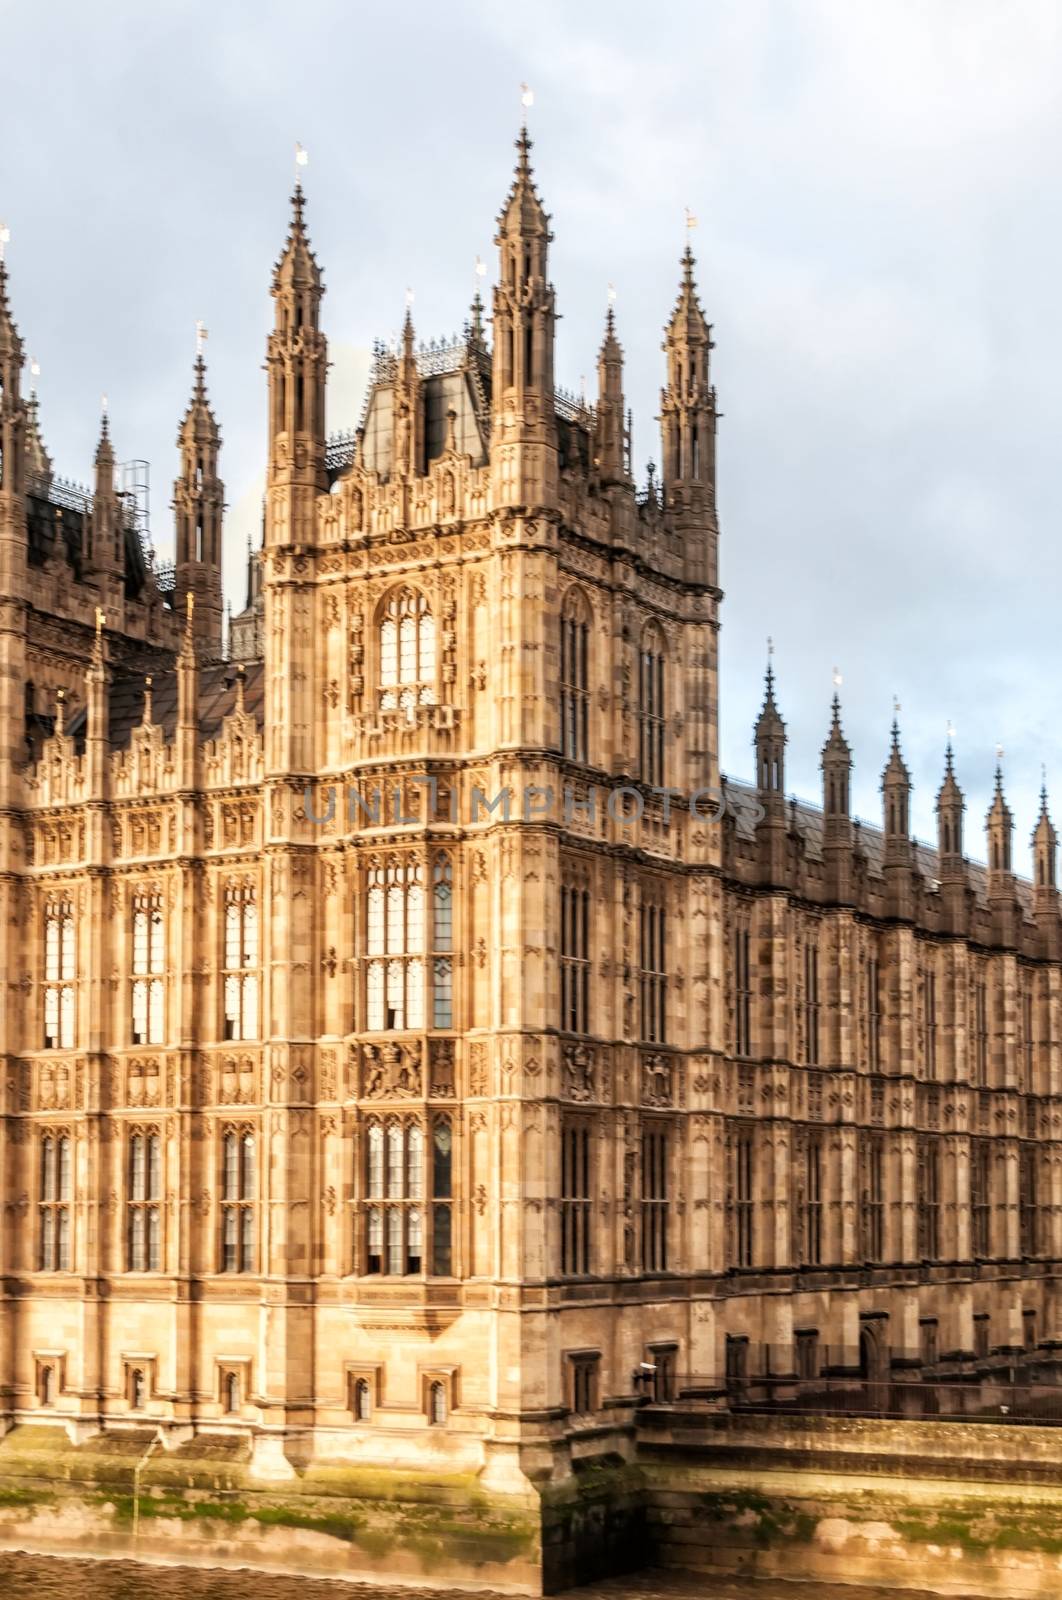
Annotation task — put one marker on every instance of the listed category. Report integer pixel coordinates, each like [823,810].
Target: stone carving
[658,1088]
[578,1072]
[391,1071]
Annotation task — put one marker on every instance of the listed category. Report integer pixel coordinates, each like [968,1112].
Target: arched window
[241,963]
[53,1208]
[395,946]
[231,1392]
[407,653]
[46,1385]
[651,706]
[362,1401]
[149,961]
[137,1389]
[60,971]
[437,1403]
[144,1202]
[237,1201]
[574,676]
[408,1201]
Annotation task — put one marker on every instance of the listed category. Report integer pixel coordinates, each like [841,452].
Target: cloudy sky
[879,248]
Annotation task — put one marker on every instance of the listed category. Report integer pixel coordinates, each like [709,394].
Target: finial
[201,336]
[302,159]
[60,711]
[147,699]
[99,622]
[523,146]
[241,677]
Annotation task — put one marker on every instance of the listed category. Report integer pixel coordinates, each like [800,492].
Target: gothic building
[407,1034]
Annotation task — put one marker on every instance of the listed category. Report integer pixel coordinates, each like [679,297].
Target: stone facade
[414,1050]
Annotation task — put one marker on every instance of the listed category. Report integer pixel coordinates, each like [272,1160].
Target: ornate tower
[296,361]
[688,420]
[1002,894]
[523,449]
[951,864]
[408,459]
[198,503]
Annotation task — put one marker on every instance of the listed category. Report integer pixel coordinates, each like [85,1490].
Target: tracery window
[654,1197]
[575,957]
[980,1032]
[742,990]
[653,973]
[807,1200]
[872,1211]
[928,1199]
[651,706]
[574,677]
[981,1198]
[54,1203]
[144,1202]
[60,972]
[576,1202]
[407,653]
[931,1023]
[148,965]
[408,1188]
[240,975]
[238,1200]
[874,1014]
[1029,1201]
[811,999]
[740,1196]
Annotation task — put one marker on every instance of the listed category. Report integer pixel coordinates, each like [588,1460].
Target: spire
[1045,850]
[408,409]
[11,356]
[297,267]
[896,787]
[198,504]
[950,808]
[770,741]
[297,363]
[1000,827]
[524,464]
[523,213]
[38,461]
[610,432]
[688,420]
[836,769]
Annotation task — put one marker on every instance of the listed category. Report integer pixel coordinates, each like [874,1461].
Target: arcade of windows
[653,971]
[407,1210]
[54,1201]
[397,957]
